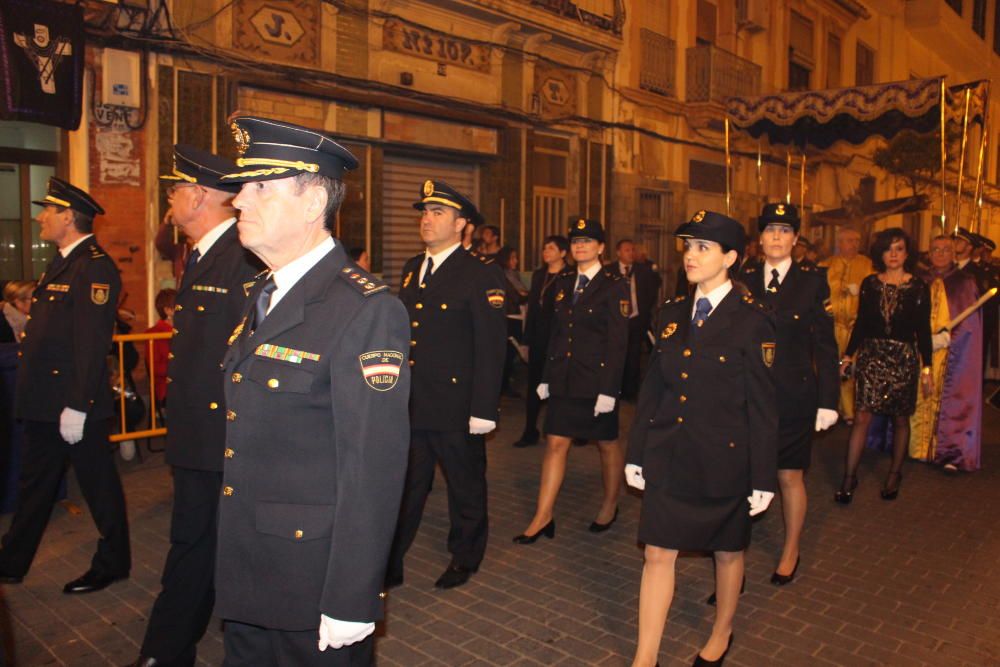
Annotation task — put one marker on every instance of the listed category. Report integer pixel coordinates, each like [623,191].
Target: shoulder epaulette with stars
[676,299]
[612,275]
[756,305]
[95,252]
[805,267]
[363,282]
[567,272]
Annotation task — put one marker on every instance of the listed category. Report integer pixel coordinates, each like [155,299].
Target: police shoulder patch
[380,368]
[625,306]
[767,353]
[495,297]
[99,293]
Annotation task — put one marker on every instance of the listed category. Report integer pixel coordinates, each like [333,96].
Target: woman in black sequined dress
[890,353]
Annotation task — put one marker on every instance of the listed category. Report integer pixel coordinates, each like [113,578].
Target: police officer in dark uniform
[988,278]
[316,387]
[805,362]
[209,304]
[64,393]
[582,379]
[455,300]
[703,443]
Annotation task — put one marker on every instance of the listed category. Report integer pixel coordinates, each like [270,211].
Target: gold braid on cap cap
[183,177]
[270,162]
[57,201]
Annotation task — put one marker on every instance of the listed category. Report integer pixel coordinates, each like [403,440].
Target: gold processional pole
[788,175]
[944,157]
[961,159]
[758,173]
[802,186]
[728,169]
[983,141]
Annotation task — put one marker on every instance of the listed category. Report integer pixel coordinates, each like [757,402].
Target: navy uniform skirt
[694,524]
[795,443]
[574,418]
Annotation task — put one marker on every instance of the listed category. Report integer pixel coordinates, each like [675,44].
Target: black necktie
[773,285]
[427,273]
[264,301]
[702,308]
[192,260]
[580,285]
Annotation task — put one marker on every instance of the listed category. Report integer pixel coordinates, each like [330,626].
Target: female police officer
[704,433]
[583,373]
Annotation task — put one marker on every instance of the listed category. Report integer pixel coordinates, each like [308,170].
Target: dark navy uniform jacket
[806,358]
[458,330]
[706,421]
[209,304]
[66,343]
[589,340]
[316,447]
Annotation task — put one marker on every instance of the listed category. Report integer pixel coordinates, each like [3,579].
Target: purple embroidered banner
[41,58]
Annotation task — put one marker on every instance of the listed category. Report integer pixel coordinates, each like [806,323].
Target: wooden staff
[961,159]
[802,186]
[788,175]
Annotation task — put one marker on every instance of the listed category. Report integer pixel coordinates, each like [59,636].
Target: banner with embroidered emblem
[210,288]
[41,55]
[380,368]
[495,297]
[284,354]
[99,293]
[57,287]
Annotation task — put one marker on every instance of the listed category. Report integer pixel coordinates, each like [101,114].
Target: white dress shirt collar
[591,272]
[783,266]
[714,297]
[438,257]
[68,249]
[287,276]
[211,236]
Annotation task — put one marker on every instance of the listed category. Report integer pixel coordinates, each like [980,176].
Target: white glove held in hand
[479,426]
[633,476]
[759,501]
[71,425]
[543,390]
[335,634]
[939,341]
[604,404]
[825,418]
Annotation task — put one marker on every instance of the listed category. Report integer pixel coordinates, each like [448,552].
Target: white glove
[825,418]
[543,390]
[853,289]
[335,634]
[479,426]
[604,404]
[71,425]
[633,476]
[759,501]
[939,341]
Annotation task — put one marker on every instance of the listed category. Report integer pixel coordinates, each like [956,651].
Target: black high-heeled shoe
[846,493]
[712,599]
[601,527]
[891,494]
[548,530]
[701,662]
[782,579]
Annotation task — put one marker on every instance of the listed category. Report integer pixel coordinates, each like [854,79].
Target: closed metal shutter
[403,180]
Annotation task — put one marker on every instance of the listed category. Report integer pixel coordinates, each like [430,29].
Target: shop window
[707,176]
[979,17]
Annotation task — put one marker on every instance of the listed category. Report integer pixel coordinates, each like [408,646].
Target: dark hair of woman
[558,241]
[884,240]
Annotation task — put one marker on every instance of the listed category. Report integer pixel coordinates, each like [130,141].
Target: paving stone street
[910,582]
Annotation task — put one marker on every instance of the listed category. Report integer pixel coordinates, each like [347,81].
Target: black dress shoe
[10,579]
[90,581]
[711,598]
[846,493]
[393,579]
[454,576]
[601,527]
[143,661]
[782,579]
[527,440]
[891,492]
[701,662]
[548,530]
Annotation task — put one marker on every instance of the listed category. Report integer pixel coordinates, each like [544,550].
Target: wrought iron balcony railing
[713,74]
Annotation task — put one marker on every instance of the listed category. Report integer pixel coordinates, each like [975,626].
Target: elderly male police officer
[317,383]
[455,302]
[209,304]
[805,362]
[64,393]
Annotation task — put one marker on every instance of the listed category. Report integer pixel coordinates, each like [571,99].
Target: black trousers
[183,608]
[630,379]
[533,404]
[463,460]
[253,646]
[43,462]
